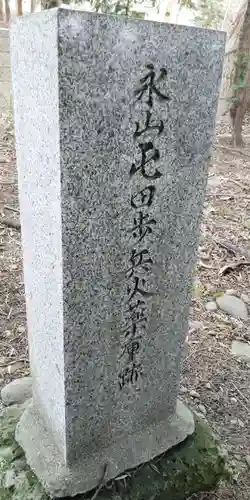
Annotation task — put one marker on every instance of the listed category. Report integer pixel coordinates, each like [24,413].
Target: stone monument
[114,123]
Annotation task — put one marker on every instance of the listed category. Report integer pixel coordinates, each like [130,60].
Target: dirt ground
[221,382]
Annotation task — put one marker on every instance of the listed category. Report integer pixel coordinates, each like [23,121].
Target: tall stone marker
[114,124]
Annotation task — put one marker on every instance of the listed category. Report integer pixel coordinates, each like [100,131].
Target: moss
[194,465]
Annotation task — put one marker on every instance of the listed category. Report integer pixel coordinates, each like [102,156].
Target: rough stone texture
[17,391]
[74,80]
[60,481]
[241,349]
[195,465]
[233,306]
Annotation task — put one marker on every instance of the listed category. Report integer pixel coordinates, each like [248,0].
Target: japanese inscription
[143,224]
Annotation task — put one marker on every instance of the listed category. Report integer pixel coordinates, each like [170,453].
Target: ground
[221,382]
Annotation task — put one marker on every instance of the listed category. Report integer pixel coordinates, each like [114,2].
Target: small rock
[237,421]
[183,390]
[197,282]
[17,391]
[195,325]
[9,479]
[223,452]
[194,394]
[214,181]
[211,306]
[245,298]
[241,349]
[208,385]
[231,291]
[14,411]
[6,452]
[237,323]
[234,421]
[232,305]
[234,401]
[202,409]
[240,423]
[248,460]
[7,333]
[21,329]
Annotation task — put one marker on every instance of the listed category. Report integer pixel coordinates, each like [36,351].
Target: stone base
[193,466]
[60,481]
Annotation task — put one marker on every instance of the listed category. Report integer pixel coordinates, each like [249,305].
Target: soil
[221,382]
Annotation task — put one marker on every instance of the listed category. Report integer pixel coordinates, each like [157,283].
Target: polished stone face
[114,125]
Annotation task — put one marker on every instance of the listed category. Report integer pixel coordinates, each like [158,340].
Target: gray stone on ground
[211,306]
[195,325]
[214,181]
[17,391]
[233,306]
[194,394]
[241,349]
[16,410]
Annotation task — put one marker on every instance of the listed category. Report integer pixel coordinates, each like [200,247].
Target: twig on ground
[240,393]
[195,351]
[231,150]
[244,406]
[242,186]
[6,344]
[233,248]
[11,223]
[22,360]
[12,209]
[205,266]
[230,135]
[101,483]
[10,312]
[233,266]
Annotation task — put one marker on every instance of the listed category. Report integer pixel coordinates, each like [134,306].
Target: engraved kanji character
[137,311]
[131,347]
[148,85]
[145,159]
[139,259]
[143,198]
[142,226]
[147,126]
[130,374]
[136,316]
[130,330]
[138,283]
